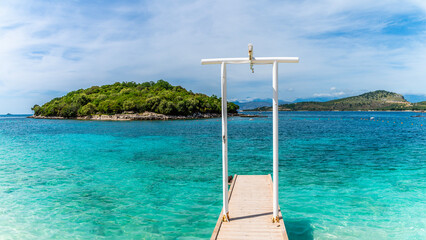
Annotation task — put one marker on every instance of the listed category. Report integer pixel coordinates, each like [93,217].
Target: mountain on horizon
[315,99]
[256,103]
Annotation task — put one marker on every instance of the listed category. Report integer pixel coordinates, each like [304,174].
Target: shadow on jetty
[299,229]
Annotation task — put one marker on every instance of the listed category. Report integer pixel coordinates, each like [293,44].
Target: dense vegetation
[160,97]
[377,100]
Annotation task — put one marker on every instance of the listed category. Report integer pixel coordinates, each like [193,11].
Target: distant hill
[157,97]
[256,103]
[377,100]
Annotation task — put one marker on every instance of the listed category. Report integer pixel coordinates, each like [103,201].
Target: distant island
[379,100]
[133,101]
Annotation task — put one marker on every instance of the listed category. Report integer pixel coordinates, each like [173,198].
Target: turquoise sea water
[341,177]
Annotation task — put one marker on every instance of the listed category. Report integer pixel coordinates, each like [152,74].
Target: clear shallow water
[340,177]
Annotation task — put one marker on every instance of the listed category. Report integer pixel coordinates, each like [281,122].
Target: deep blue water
[341,177]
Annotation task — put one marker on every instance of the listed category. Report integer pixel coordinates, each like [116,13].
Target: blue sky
[48,48]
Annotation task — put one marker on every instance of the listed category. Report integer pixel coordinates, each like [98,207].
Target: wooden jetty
[250,211]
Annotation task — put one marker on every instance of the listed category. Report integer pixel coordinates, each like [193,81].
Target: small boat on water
[418,116]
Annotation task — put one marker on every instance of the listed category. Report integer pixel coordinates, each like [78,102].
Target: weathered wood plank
[250,210]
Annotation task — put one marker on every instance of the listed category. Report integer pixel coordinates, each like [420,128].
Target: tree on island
[158,97]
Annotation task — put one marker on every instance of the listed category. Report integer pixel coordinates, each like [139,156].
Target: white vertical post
[275,140]
[224,144]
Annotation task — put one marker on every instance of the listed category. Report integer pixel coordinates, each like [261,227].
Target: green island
[379,100]
[133,101]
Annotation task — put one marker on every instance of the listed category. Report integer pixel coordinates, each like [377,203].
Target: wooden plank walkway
[250,211]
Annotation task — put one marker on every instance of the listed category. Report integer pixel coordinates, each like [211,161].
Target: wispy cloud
[334,94]
[54,47]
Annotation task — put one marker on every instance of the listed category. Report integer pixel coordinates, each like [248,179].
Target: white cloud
[57,46]
[334,94]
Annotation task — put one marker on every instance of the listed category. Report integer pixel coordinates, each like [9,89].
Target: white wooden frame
[251,60]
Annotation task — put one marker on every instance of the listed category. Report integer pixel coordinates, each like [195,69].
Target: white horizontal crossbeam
[258,60]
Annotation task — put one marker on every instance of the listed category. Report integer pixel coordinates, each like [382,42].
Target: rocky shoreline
[138,116]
